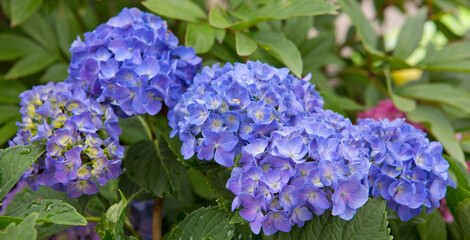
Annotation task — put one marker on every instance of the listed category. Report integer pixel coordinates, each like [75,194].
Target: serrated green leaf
[13,163]
[364,28]
[281,48]
[27,195]
[111,224]
[438,92]
[133,190]
[200,36]
[272,10]
[204,223]
[24,230]
[440,128]
[41,31]
[410,35]
[51,210]
[30,64]
[6,220]
[462,217]
[199,185]
[21,10]
[154,167]
[178,9]
[369,222]
[455,196]
[245,45]
[433,228]
[15,46]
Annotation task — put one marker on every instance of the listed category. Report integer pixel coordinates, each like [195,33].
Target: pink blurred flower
[386,109]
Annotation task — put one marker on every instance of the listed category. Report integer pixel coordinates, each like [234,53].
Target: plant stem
[145,126]
[157,219]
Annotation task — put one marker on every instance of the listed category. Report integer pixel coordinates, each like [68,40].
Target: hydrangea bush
[235,123]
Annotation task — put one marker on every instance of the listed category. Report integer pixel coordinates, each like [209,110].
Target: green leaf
[55,73]
[460,171]
[403,104]
[364,28]
[30,64]
[219,34]
[51,210]
[462,217]
[438,92]
[463,66]
[6,220]
[9,112]
[179,9]
[433,228]
[8,131]
[154,167]
[455,196]
[369,222]
[66,27]
[41,31]
[10,91]
[410,35]
[13,163]
[133,190]
[24,230]
[133,130]
[15,46]
[245,45]
[21,10]
[199,185]
[452,53]
[27,195]
[111,224]
[200,36]
[440,127]
[273,10]
[281,48]
[204,223]
[296,28]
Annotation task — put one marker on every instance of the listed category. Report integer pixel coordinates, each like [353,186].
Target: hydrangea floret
[228,107]
[81,138]
[134,62]
[318,164]
[408,170]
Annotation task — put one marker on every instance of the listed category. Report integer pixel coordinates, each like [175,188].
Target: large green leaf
[21,10]
[272,10]
[30,64]
[452,53]
[13,163]
[438,92]
[364,28]
[66,27]
[55,73]
[281,48]
[369,222]
[15,46]
[6,220]
[8,131]
[204,223]
[200,36]
[434,226]
[22,231]
[39,29]
[297,28]
[455,196]
[245,45]
[111,226]
[180,9]
[410,35]
[27,195]
[440,127]
[154,167]
[462,217]
[461,173]
[51,210]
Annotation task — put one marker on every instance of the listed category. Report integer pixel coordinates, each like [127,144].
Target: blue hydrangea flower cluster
[227,107]
[408,170]
[81,138]
[134,62]
[318,164]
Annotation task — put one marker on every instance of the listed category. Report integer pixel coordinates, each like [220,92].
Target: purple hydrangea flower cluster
[134,62]
[318,164]
[81,138]
[227,107]
[408,170]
